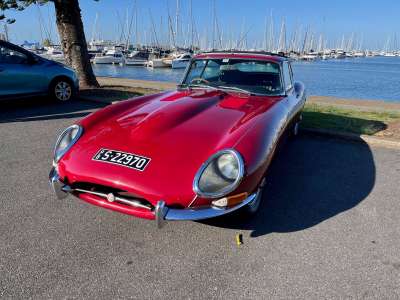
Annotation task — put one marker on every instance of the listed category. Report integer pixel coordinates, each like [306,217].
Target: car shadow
[41,108]
[310,180]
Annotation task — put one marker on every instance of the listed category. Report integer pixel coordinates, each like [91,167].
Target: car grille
[111,195]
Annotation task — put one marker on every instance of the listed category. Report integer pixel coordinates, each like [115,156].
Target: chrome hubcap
[63,91]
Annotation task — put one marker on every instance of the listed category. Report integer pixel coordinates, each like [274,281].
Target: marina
[345,67]
[160,48]
[358,78]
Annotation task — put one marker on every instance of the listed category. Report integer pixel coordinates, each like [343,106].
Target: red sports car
[197,152]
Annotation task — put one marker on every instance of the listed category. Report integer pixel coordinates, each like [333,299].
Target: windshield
[253,76]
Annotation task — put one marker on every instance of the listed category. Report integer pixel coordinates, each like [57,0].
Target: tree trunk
[73,41]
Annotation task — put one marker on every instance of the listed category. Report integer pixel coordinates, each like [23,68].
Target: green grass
[347,120]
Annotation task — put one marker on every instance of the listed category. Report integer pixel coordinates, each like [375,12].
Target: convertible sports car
[197,152]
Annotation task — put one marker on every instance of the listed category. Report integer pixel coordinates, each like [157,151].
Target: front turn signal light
[230,200]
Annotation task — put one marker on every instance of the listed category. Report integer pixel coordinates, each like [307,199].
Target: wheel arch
[50,89]
[60,77]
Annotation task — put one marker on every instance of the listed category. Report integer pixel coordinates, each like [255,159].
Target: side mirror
[299,89]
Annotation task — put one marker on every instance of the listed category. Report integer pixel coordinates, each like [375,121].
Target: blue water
[143,73]
[362,78]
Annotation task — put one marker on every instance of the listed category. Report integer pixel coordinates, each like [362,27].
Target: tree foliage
[46,43]
[17,5]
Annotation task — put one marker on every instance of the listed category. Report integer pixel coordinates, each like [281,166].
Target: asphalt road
[328,228]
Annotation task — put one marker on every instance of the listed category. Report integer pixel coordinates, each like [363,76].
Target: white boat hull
[108,60]
[157,63]
[179,64]
[135,62]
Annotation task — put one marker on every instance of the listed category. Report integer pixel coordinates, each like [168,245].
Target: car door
[292,101]
[20,73]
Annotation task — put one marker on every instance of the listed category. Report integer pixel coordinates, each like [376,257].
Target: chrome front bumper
[162,213]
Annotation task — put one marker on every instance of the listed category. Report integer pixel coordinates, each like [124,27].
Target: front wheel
[296,129]
[296,126]
[61,90]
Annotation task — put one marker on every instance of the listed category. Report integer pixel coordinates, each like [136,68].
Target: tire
[296,129]
[296,126]
[61,90]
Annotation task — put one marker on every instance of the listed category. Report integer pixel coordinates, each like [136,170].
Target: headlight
[66,140]
[219,175]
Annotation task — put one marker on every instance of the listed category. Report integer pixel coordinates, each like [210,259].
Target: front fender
[259,144]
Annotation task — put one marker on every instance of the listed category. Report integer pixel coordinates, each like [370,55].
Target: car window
[211,72]
[10,56]
[196,70]
[287,75]
[253,66]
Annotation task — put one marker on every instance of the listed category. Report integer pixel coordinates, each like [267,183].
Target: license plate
[129,160]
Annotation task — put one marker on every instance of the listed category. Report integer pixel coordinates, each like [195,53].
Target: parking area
[328,228]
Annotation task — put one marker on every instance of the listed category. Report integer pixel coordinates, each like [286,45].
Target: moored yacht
[110,57]
[181,61]
[137,58]
[54,53]
[390,54]
[309,56]
[158,63]
[359,54]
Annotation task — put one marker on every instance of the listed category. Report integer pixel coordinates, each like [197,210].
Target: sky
[370,22]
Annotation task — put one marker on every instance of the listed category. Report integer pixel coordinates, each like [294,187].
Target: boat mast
[303,51]
[213,25]
[342,44]
[271,44]
[320,41]
[177,23]
[191,25]
[265,45]
[95,27]
[293,41]
[42,26]
[311,44]
[154,29]
[129,29]
[171,33]
[136,25]
[239,41]
[282,38]
[120,27]
[350,43]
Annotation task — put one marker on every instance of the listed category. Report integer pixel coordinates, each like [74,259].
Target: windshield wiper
[234,88]
[202,86]
[220,87]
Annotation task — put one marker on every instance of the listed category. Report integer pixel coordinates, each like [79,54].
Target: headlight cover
[66,140]
[219,175]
